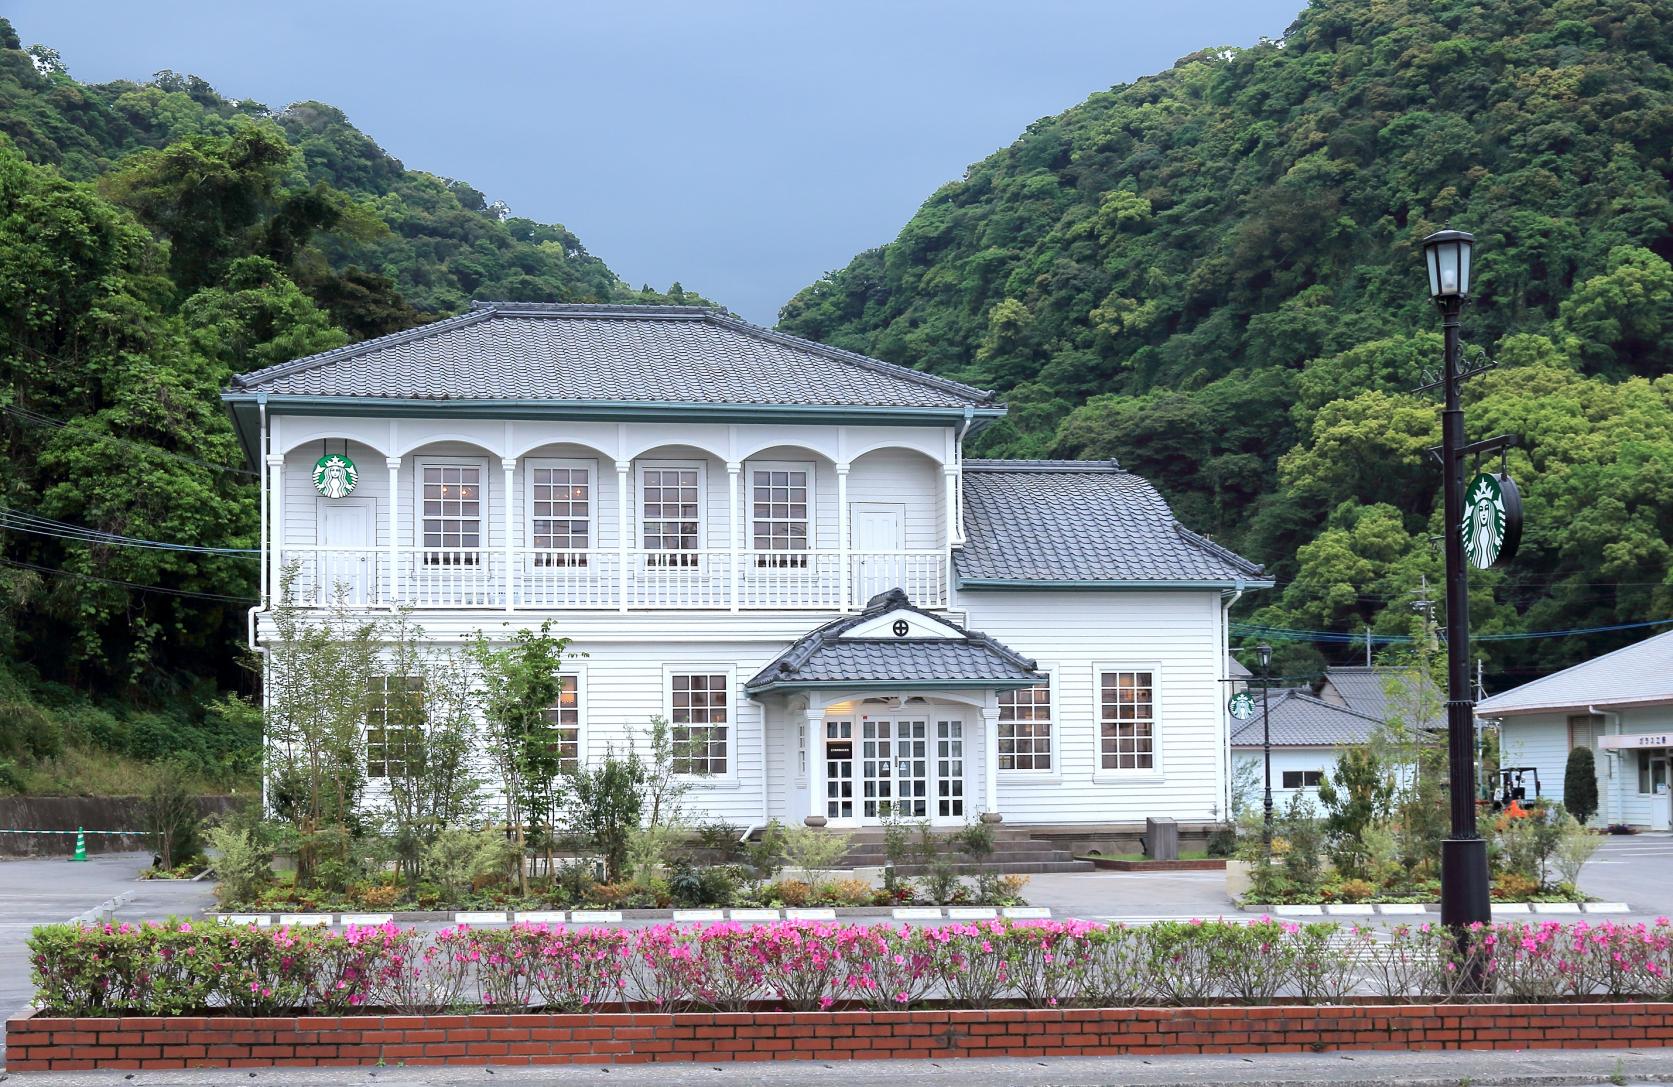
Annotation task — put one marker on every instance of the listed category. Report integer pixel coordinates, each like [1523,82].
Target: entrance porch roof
[931,653]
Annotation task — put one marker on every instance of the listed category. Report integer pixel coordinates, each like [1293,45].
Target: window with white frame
[394,725]
[1302,779]
[780,505]
[671,513]
[560,512]
[1025,728]
[563,724]
[698,705]
[1127,720]
[452,519]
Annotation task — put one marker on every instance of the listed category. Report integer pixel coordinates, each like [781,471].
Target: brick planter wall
[42,1043]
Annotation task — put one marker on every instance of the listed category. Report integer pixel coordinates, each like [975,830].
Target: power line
[1333,637]
[59,572]
[20,521]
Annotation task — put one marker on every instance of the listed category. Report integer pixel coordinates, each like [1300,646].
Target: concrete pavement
[1544,1068]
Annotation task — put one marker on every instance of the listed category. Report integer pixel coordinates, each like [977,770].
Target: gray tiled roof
[1301,720]
[560,353]
[824,657]
[1364,689]
[1081,521]
[1640,674]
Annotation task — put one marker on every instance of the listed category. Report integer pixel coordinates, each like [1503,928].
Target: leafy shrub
[243,865]
[975,839]
[811,851]
[847,892]
[177,968]
[791,892]
[1514,887]
[459,857]
[1355,890]
[378,896]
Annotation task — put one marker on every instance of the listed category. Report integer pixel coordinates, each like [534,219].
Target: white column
[394,590]
[734,557]
[844,550]
[509,466]
[276,479]
[814,721]
[990,761]
[623,529]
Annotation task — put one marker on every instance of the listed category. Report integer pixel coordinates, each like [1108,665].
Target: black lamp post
[1464,884]
[1264,653]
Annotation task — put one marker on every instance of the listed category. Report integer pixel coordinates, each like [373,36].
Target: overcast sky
[742,147]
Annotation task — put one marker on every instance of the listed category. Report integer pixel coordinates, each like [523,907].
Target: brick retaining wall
[42,1043]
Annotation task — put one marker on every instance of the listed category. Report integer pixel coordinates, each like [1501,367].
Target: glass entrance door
[894,768]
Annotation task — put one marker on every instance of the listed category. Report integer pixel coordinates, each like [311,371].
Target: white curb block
[1298,911]
[480,917]
[810,913]
[1403,909]
[1027,913]
[1511,907]
[303,920]
[917,913]
[754,915]
[1351,910]
[539,917]
[1608,907]
[367,918]
[699,915]
[1556,907]
[594,917]
[971,913]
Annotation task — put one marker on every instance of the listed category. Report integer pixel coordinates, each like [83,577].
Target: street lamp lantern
[1447,252]
[1264,653]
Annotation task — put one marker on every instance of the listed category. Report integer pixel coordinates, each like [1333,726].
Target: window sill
[1128,777]
[1030,777]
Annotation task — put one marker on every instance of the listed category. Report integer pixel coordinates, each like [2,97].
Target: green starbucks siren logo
[1242,705]
[1492,524]
[335,476]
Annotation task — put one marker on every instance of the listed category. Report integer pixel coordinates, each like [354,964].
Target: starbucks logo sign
[1492,524]
[1242,705]
[335,476]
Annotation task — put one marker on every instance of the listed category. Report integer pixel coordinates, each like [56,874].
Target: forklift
[1513,786]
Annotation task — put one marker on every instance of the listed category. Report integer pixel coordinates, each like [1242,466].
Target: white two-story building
[777,545]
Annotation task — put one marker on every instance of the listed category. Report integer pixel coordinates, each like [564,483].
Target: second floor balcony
[610,578]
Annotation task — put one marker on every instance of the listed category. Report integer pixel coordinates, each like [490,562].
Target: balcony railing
[609,579]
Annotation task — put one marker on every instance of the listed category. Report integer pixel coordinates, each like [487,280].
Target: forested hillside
[1213,274]
[154,239]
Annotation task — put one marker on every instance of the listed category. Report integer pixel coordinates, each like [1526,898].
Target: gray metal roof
[1299,719]
[824,658]
[546,352]
[1045,522]
[1366,690]
[1638,675]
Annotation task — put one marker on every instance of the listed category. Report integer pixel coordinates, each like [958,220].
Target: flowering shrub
[175,967]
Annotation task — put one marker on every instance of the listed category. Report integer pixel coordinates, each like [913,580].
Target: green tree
[1580,784]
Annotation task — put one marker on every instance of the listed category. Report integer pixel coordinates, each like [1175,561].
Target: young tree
[319,674]
[518,686]
[1580,784]
[432,783]
[1355,798]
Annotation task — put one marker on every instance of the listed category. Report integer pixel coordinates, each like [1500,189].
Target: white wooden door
[879,531]
[346,556]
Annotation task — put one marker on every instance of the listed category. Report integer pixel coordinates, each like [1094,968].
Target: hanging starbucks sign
[1492,524]
[335,475]
[1242,705]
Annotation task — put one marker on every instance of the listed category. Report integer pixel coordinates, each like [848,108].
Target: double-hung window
[561,512]
[1025,728]
[394,725]
[1302,779]
[671,513]
[699,719]
[780,504]
[563,725]
[452,520]
[1126,720]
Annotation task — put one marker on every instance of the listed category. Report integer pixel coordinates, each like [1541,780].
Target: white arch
[431,437]
[527,448]
[717,450]
[821,701]
[885,444]
[747,452]
[291,445]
